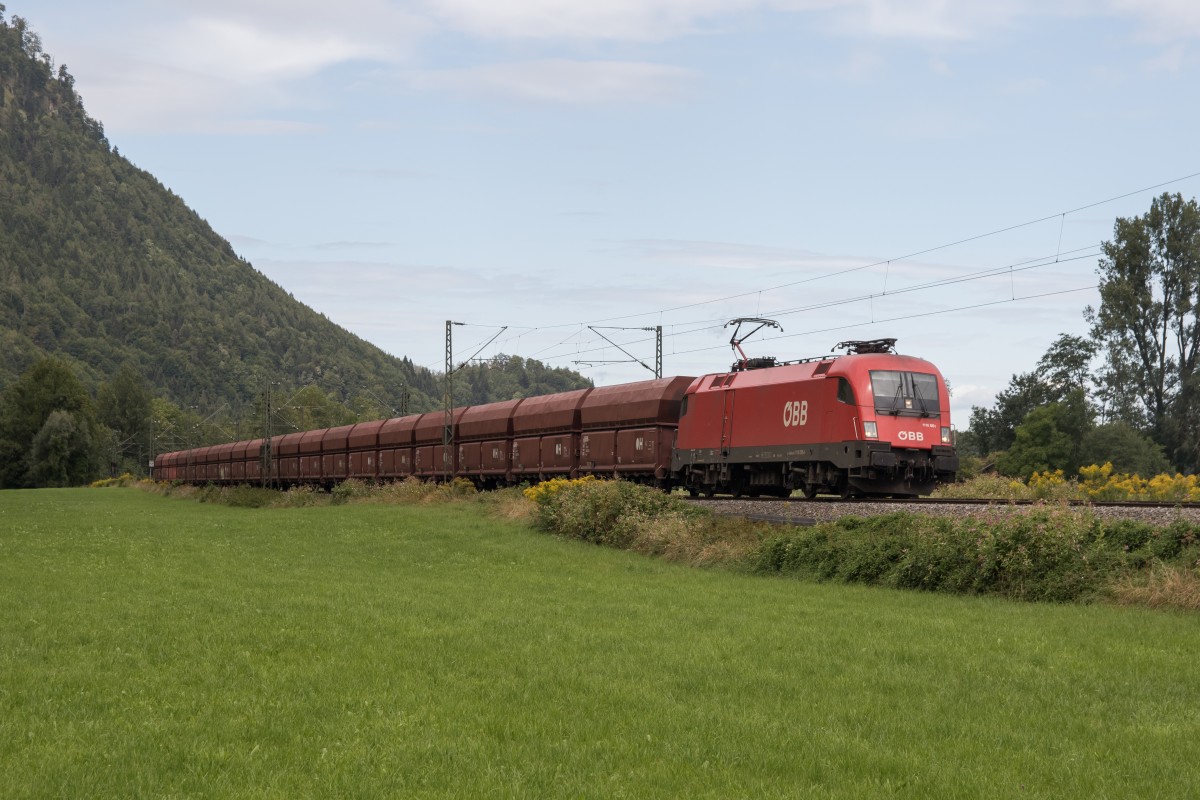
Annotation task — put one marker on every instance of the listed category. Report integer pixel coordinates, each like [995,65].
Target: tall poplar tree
[1149,321]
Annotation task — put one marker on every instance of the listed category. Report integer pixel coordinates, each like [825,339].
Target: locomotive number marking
[795,413]
[911,436]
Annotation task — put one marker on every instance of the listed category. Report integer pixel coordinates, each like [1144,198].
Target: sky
[943,172]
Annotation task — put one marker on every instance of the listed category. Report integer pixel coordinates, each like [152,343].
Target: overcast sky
[550,164]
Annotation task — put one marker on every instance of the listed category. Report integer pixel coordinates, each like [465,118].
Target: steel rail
[952,501]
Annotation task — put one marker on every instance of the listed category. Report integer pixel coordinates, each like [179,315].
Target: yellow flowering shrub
[542,492]
[1096,482]
[1174,488]
[1104,483]
[124,479]
[1051,485]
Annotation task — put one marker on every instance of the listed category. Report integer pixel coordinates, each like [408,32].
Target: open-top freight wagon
[617,431]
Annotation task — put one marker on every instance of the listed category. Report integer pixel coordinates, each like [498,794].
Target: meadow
[159,647]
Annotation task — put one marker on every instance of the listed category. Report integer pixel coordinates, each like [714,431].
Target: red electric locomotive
[869,422]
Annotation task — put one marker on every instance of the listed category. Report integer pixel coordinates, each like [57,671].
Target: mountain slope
[100,263]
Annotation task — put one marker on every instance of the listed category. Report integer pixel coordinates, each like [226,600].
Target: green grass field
[157,647]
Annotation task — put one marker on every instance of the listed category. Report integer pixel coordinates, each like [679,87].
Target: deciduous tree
[63,452]
[25,407]
[1061,372]
[1148,319]
[1050,437]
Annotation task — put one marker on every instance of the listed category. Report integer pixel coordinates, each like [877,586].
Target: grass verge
[155,648]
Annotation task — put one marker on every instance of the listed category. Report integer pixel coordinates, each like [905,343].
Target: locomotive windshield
[908,393]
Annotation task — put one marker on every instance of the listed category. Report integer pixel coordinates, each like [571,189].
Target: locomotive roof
[852,367]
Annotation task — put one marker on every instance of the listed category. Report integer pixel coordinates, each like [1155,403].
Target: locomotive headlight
[945,436]
[870,430]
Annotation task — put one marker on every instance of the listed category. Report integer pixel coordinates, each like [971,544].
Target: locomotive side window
[910,393]
[845,392]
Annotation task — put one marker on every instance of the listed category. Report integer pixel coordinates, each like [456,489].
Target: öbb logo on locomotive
[872,422]
[795,413]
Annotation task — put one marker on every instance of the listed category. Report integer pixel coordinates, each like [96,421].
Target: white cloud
[130,94]
[182,67]
[657,20]
[245,53]
[629,20]
[927,20]
[564,81]
[931,19]
[234,66]
[1162,20]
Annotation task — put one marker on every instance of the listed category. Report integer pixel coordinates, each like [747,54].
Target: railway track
[955,501]
[801,511]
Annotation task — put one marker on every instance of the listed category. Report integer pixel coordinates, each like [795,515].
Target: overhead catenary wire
[934,313]
[679,329]
[701,326]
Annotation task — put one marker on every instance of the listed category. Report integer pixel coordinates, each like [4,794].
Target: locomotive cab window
[845,392]
[905,393]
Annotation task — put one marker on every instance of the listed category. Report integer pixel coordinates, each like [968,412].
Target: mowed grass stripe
[157,647]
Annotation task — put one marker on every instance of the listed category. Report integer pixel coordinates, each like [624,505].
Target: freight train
[869,422]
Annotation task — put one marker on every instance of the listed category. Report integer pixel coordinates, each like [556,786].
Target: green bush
[605,512]
[458,488]
[208,493]
[987,486]
[1129,535]
[347,490]
[1051,555]
[1176,541]
[244,496]
[300,497]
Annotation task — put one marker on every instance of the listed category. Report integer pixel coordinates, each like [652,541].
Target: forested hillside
[104,268]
